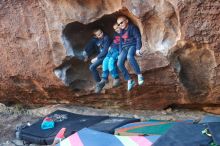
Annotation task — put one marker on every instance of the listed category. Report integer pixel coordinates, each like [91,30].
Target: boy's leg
[105,74]
[132,60]
[134,64]
[113,70]
[105,71]
[93,68]
[112,67]
[121,64]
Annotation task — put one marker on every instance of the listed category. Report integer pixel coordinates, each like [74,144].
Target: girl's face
[116,28]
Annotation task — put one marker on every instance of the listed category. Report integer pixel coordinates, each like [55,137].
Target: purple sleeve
[90,47]
[137,36]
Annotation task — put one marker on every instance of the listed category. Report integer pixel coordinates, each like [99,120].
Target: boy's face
[122,22]
[98,34]
[117,28]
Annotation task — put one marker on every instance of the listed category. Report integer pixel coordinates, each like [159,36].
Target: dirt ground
[16,115]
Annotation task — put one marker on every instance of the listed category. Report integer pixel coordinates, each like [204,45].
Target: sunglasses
[121,22]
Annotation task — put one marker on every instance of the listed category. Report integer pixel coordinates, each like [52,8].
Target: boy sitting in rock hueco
[130,45]
[109,63]
[102,41]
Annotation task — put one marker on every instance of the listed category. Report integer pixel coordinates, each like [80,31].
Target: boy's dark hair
[96,29]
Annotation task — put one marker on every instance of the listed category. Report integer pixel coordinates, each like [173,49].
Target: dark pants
[93,68]
[128,53]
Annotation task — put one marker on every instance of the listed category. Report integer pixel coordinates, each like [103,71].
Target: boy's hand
[94,60]
[138,52]
[85,56]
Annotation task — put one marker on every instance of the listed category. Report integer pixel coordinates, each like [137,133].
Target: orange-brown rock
[41,43]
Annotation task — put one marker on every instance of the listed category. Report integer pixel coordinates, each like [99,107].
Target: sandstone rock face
[41,44]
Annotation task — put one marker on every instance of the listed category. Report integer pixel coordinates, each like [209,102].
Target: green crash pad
[157,129]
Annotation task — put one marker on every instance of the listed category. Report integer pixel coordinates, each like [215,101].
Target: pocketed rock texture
[41,44]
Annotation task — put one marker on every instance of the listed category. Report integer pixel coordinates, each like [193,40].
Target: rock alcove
[74,72]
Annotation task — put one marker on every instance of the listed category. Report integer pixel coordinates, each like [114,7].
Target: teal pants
[109,64]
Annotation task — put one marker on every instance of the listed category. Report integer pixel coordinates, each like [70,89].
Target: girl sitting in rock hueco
[109,62]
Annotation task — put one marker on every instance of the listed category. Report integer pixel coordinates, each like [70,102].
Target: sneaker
[59,137]
[140,80]
[116,83]
[99,86]
[131,84]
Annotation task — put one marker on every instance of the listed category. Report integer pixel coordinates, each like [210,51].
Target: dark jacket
[114,50]
[103,45]
[116,41]
[130,37]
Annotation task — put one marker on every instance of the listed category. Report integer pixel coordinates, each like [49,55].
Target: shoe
[131,84]
[99,86]
[116,83]
[59,137]
[140,80]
